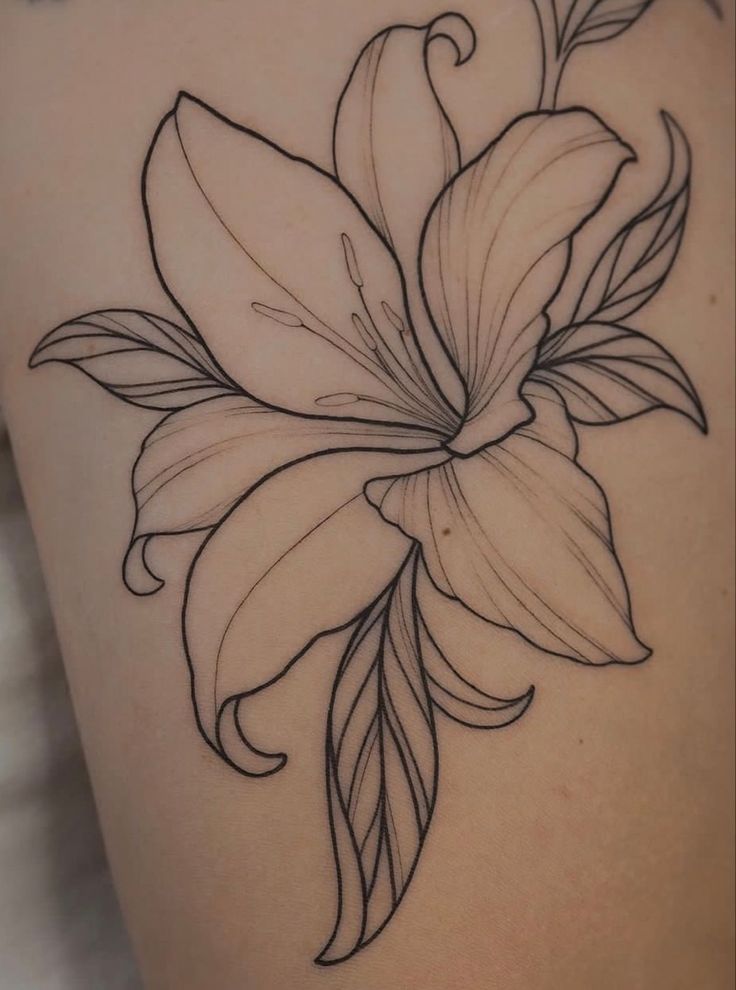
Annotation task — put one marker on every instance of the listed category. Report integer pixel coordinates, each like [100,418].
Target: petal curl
[462,652]
[395,149]
[521,536]
[199,461]
[496,247]
[294,293]
[492,658]
[301,556]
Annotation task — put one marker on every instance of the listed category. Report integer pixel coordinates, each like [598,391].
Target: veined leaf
[591,21]
[301,555]
[606,373]
[382,755]
[381,767]
[141,358]
[638,259]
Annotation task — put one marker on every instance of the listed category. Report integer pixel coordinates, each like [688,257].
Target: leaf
[607,373]
[638,259]
[590,21]
[381,767]
[141,358]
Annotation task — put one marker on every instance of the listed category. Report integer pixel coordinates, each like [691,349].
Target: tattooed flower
[371,415]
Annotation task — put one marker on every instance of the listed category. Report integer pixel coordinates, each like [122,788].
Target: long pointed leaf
[381,767]
[591,21]
[141,358]
[607,373]
[638,259]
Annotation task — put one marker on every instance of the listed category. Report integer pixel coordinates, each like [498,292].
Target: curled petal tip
[233,745]
[458,30]
[137,575]
[638,653]
[646,652]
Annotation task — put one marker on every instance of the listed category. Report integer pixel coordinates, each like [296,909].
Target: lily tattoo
[371,406]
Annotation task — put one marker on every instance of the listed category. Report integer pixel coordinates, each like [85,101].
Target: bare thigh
[369,374]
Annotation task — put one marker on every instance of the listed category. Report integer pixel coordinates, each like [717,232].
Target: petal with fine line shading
[199,461]
[395,149]
[271,260]
[496,246]
[521,536]
[300,556]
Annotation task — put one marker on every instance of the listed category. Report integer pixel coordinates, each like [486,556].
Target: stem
[553,62]
[551,83]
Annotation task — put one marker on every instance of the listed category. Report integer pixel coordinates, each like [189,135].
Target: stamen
[364,333]
[337,399]
[278,315]
[351,261]
[393,317]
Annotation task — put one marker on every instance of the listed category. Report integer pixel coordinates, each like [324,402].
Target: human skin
[586,845]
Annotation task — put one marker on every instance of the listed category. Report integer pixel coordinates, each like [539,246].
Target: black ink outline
[456,697]
[631,158]
[551,368]
[184,95]
[558,43]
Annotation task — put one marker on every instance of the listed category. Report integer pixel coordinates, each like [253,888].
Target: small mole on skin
[712,298]
[580,742]
[446,531]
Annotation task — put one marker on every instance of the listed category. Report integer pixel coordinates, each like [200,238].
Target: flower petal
[459,698]
[395,149]
[496,247]
[285,280]
[520,534]
[551,424]
[198,462]
[494,661]
[301,556]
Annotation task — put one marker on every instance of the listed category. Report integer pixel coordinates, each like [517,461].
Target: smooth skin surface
[587,845]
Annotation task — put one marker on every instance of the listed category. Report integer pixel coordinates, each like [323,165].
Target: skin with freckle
[588,844]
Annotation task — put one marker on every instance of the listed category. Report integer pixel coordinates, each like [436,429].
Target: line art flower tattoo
[371,408]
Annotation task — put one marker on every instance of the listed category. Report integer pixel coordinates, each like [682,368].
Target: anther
[278,315]
[351,262]
[337,399]
[363,331]
[393,317]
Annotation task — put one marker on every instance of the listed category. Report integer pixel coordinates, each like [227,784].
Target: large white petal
[199,461]
[302,555]
[521,536]
[395,149]
[496,247]
[294,293]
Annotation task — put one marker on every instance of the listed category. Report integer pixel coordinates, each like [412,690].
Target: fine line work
[397,387]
